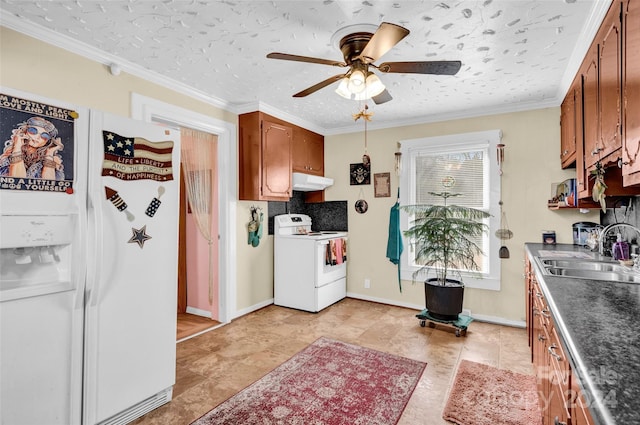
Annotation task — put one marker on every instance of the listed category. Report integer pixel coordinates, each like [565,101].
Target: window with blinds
[461,165]
[456,172]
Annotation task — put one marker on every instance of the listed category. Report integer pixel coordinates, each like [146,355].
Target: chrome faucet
[603,234]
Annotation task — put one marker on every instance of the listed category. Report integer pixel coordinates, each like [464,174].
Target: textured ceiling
[515,54]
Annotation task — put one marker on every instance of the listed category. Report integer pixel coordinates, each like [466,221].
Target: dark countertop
[600,326]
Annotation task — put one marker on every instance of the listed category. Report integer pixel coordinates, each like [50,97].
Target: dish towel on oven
[336,252]
[394,243]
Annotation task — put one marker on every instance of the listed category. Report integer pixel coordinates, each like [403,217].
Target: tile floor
[215,365]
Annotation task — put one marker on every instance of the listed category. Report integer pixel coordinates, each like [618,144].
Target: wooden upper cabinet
[601,76]
[590,106]
[610,84]
[631,93]
[265,154]
[276,160]
[308,152]
[570,124]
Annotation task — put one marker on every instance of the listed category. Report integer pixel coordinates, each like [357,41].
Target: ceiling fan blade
[382,97]
[318,86]
[433,67]
[288,57]
[387,35]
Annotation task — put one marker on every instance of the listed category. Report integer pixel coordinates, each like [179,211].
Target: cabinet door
[308,152]
[299,150]
[276,161]
[315,153]
[609,84]
[580,414]
[590,107]
[631,93]
[567,130]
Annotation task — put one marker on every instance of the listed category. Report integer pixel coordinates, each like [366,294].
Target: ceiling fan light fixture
[356,81]
[374,85]
[343,88]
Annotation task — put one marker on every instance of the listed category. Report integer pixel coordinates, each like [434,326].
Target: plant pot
[444,302]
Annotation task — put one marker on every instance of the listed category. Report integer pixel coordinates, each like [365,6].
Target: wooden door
[590,108]
[276,161]
[631,93]
[567,130]
[182,247]
[315,153]
[609,83]
[300,162]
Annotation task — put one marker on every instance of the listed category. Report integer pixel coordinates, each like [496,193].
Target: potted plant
[444,236]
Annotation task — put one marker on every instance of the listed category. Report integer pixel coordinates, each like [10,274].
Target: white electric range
[310,268]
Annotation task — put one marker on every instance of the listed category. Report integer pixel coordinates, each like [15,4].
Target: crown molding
[30,29]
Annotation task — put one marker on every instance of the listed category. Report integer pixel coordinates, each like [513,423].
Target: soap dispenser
[620,249]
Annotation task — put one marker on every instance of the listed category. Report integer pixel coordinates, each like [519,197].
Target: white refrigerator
[88,276]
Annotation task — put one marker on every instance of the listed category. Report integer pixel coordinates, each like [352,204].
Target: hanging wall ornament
[359,174]
[366,117]
[361,205]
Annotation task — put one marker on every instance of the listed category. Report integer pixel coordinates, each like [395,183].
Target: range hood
[308,182]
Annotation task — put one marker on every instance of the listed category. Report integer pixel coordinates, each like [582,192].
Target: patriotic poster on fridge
[130,158]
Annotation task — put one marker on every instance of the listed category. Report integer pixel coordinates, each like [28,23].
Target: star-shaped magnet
[139,236]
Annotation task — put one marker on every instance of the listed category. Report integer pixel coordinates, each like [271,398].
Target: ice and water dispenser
[35,254]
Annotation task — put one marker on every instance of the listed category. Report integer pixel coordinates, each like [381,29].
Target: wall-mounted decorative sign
[360,174]
[38,152]
[382,185]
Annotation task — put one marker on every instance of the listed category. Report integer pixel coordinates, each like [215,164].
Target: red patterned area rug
[328,383]
[484,395]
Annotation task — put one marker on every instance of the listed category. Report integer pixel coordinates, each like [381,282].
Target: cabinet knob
[596,151]
[541,337]
[557,421]
[565,152]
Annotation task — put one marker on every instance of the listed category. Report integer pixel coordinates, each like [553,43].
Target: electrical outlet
[367,283]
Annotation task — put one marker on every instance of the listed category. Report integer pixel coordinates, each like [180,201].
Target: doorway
[197,304]
[152,110]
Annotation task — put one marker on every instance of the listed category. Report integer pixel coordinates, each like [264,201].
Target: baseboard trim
[199,312]
[478,317]
[251,309]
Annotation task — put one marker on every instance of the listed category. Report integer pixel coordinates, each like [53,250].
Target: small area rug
[330,383]
[484,395]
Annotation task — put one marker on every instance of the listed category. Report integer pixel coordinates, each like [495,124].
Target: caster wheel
[458,332]
[432,325]
[464,332]
[422,323]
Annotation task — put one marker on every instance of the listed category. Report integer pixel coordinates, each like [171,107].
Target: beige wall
[531,165]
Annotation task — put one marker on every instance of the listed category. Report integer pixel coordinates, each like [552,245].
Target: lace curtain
[198,151]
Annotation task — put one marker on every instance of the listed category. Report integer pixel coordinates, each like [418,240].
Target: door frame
[152,110]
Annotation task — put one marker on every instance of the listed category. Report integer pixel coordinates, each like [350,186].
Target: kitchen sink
[584,269]
[595,274]
[584,265]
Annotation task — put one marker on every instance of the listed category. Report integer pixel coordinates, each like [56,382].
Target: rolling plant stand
[460,324]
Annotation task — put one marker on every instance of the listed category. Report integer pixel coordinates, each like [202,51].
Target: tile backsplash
[330,215]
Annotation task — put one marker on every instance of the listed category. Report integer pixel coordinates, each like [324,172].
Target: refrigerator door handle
[95,223]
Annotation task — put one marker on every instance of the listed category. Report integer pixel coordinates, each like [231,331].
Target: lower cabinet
[562,401]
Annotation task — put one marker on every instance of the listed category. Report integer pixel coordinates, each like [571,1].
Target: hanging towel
[344,250]
[394,243]
[327,254]
[332,252]
[339,258]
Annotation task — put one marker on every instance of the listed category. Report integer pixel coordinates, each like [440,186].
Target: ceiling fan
[360,50]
